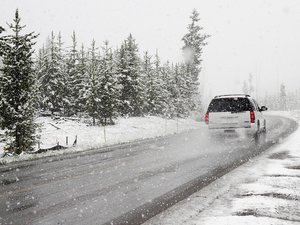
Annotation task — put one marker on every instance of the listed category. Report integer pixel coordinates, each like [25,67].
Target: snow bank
[55,132]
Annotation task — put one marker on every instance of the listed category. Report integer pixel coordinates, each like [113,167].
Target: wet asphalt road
[126,184]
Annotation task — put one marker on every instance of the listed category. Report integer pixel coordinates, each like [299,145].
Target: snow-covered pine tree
[147,72]
[124,80]
[159,91]
[41,70]
[167,81]
[82,78]
[16,86]
[52,80]
[74,78]
[137,94]
[65,92]
[91,92]
[173,89]
[132,96]
[37,65]
[2,43]
[194,41]
[182,94]
[3,47]
[107,87]
[159,86]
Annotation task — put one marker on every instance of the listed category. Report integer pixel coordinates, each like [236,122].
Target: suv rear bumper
[230,126]
[251,129]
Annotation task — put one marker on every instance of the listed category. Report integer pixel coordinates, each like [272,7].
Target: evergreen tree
[2,43]
[137,88]
[194,41]
[37,66]
[248,87]
[16,85]
[124,80]
[41,69]
[182,94]
[107,87]
[3,48]
[64,80]
[283,97]
[129,73]
[91,93]
[159,91]
[52,80]
[74,78]
[67,69]
[155,83]
[147,71]
[82,78]
[167,90]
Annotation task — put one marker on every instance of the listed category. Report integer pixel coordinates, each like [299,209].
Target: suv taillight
[207,118]
[252,117]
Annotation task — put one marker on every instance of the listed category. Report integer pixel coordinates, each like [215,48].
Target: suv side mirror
[263,108]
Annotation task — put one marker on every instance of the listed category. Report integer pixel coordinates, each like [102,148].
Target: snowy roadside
[265,190]
[92,137]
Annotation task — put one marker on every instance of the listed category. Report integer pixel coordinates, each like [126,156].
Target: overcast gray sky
[254,36]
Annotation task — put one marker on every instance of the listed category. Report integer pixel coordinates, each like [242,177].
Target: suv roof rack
[245,95]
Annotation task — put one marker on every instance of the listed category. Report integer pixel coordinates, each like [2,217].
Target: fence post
[177,124]
[75,141]
[104,131]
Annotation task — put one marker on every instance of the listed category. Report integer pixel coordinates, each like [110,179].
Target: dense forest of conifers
[96,81]
[105,82]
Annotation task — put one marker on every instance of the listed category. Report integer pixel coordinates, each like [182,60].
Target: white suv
[234,112]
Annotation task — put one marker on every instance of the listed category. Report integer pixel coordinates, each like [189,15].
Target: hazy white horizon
[258,37]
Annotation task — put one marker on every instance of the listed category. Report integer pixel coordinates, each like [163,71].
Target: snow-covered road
[263,191]
[128,182]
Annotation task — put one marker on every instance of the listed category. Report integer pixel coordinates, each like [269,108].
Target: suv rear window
[230,105]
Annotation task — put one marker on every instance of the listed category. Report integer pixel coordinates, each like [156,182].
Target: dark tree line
[97,81]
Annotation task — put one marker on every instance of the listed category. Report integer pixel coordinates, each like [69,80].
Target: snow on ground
[55,132]
[1,143]
[265,190]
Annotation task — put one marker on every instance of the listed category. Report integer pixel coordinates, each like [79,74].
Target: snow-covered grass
[265,190]
[92,137]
